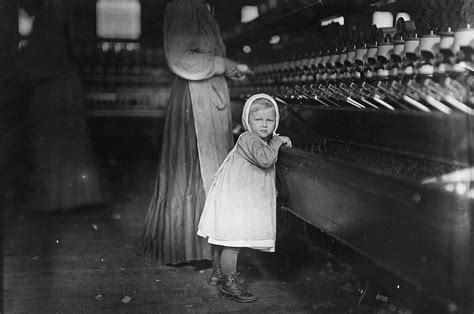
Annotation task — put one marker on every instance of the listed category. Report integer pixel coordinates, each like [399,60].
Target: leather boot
[215,277]
[231,289]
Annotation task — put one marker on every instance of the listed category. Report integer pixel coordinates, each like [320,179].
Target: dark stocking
[229,260]
[216,253]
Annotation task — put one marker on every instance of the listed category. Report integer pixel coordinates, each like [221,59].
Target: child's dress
[240,209]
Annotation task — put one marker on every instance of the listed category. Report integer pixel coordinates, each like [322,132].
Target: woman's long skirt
[178,199]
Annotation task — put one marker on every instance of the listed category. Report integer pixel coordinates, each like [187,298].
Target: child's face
[262,122]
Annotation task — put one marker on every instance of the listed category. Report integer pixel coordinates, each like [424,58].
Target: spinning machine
[381,121]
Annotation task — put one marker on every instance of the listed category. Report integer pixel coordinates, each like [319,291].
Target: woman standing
[63,175]
[197,134]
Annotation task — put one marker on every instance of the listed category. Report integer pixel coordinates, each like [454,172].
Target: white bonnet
[248,104]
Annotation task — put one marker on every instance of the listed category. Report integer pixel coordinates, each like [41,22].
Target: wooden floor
[83,261]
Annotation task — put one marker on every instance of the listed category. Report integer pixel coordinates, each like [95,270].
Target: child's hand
[286,140]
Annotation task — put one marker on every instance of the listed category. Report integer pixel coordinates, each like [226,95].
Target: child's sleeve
[259,153]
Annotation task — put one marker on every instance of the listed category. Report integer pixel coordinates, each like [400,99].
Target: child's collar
[266,140]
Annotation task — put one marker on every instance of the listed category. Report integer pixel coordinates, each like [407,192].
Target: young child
[240,208]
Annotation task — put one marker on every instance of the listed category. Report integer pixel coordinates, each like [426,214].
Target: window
[25,22]
[248,13]
[382,19]
[118,19]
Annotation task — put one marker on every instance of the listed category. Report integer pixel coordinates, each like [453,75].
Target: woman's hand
[238,77]
[234,71]
[242,72]
[244,69]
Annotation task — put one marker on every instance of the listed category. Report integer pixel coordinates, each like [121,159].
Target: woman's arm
[183,31]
